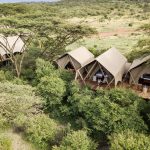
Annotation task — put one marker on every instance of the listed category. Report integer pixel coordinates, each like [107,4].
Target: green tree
[41,130]
[77,140]
[142,48]
[107,111]
[52,88]
[129,140]
[53,42]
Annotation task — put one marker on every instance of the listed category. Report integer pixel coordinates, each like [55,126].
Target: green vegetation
[76,140]
[43,104]
[129,140]
[5,142]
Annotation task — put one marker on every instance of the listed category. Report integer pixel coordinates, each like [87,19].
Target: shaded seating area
[75,59]
[107,68]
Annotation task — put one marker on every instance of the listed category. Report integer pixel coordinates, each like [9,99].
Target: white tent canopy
[11,44]
[112,61]
[78,58]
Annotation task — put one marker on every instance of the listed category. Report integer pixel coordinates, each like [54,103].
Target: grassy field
[116,22]
[121,33]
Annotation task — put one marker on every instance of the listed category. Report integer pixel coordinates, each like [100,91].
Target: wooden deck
[136,88]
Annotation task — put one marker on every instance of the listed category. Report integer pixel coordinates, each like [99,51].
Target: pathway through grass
[18,143]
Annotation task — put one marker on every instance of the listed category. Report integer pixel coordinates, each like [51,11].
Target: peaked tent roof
[112,60]
[14,43]
[82,55]
[138,62]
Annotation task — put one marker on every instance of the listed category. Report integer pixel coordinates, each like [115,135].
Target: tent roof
[82,55]
[112,60]
[138,62]
[12,42]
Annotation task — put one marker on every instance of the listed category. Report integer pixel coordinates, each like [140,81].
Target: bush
[17,100]
[129,140]
[41,130]
[18,81]
[77,140]
[3,123]
[144,108]
[2,76]
[52,89]
[44,68]
[107,111]
[5,142]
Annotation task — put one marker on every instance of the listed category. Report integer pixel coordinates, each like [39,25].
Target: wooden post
[90,70]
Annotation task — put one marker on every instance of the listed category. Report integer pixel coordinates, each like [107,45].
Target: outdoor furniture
[105,79]
[145,79]
[94,78]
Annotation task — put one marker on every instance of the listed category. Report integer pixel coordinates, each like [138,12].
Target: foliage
[144,108]
[3,123]
[5,142]
[2,76]
[141,50]
[55,42]
[143,46]
[96,52]
[52,88]
[146,28]
[106,112]
[17,100]
[41,130]
[44,68]
[127,140]
[75,141]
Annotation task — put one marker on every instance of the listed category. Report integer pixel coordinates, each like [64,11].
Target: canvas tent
[75,59]
[138,68]
[110,64]
[9,45]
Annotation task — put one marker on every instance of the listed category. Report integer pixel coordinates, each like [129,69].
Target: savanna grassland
[42,107]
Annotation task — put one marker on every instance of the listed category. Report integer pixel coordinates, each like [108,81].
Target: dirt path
[120,31]
[17,142]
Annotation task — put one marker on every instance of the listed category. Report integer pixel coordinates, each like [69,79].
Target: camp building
[9,45]
[75,59]
[138,68]
[107,68]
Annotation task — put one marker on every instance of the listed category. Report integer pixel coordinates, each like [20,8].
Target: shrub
[17,100]
[41,130]
[18,81]
[129,140]
[44,68]
[144,108]
[77,140]
[107,111]
[3,123]
[52,89]
[2,76]
[5,142]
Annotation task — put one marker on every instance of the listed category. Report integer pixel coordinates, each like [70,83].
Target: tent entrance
[69,66]
[99,75]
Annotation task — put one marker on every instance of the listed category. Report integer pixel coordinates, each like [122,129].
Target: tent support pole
[111,82]
[72,63]
[90,70]
[132,78]
[81,77]
[76,76]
